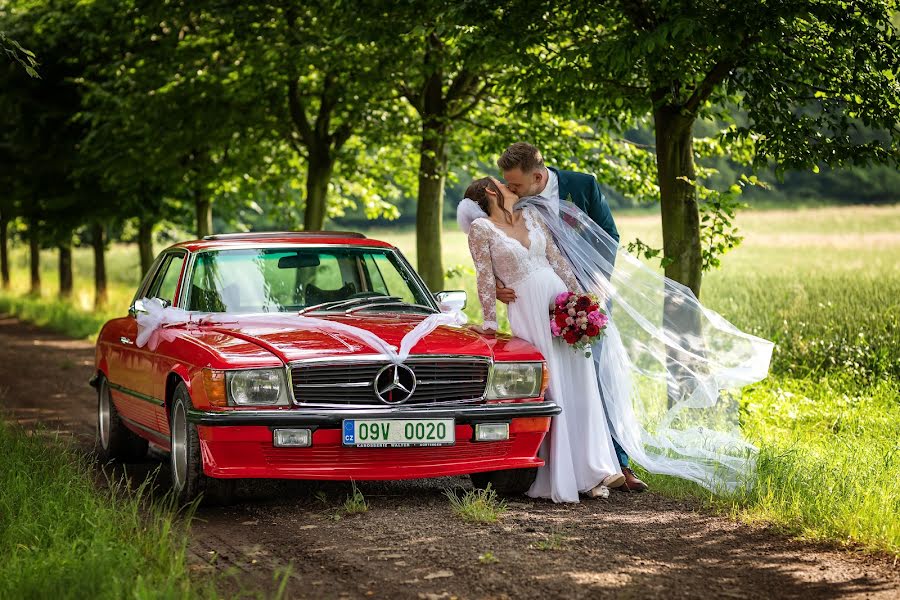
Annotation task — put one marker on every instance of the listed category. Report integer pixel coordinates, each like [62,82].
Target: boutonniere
[569,198]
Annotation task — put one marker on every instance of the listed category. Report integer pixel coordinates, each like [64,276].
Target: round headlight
[515,380]
[261,386]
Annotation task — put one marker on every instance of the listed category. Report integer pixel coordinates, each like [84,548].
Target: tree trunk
[145,243]
[34,248]
[432,171]
[430,210]
[320,168]
[99,244]
[4,251]
[678,198]
[65,270]
[681,238]
[204,214]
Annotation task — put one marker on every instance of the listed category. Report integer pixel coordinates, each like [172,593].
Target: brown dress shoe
[632,483]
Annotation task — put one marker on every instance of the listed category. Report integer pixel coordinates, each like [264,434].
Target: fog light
[491,432]
[297,438]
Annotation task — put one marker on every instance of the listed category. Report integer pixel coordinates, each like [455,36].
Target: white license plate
[386,433]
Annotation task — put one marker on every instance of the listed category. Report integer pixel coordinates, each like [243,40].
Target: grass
[355,503]
[824,284]
[476,505]
[554,542]
[62,538]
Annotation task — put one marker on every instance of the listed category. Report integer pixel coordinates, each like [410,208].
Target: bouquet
[578,319]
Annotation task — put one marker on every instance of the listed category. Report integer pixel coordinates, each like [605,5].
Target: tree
[810,74]
[450,60]
[316,82]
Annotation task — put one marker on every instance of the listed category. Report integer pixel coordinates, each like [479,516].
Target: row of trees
[160,112]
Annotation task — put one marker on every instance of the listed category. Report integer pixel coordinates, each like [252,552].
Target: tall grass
[62,538]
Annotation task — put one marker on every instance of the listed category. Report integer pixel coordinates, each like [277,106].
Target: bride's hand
[483,331]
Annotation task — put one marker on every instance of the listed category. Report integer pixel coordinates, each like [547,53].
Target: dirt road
[410,545]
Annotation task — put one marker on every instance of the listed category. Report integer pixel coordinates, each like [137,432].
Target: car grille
[352,384]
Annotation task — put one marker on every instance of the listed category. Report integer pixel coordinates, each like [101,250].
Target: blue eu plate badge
[349,431]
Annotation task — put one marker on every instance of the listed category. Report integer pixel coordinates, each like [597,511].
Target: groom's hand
[505,295]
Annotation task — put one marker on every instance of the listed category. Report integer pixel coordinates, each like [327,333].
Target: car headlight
[257,387]
[516,380]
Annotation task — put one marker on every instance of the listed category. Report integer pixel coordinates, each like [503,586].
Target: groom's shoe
[632,483]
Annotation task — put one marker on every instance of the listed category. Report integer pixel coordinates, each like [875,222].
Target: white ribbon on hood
[152,326]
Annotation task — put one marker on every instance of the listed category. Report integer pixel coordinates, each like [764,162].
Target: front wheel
[509,482]
[188,479]
[114,441]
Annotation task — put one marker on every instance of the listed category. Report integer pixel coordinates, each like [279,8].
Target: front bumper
[330,417]
[239,444]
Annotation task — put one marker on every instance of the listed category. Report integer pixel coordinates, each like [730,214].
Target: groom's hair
[522,155]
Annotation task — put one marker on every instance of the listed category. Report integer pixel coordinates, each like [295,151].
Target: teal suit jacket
[584,191]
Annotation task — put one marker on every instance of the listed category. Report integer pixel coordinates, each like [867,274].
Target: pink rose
[555,329]
[561,298]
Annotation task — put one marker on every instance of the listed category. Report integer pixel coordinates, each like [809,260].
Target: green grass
[476,505]
[62,538]
[824,284]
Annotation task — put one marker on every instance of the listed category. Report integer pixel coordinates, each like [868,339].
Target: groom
[526,175]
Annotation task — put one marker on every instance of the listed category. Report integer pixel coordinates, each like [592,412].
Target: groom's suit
[584,192]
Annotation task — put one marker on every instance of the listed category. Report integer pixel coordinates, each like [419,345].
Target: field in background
[824,284]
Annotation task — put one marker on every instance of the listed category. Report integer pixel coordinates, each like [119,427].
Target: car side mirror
[137,307]
[452,300]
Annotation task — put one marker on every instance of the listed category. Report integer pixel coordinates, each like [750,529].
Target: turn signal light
[214,384]
[545,378]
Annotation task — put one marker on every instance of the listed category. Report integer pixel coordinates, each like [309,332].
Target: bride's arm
[480,247]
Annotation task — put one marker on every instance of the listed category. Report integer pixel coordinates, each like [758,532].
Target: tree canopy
[205,114]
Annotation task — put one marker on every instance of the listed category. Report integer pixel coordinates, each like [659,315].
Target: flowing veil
[668,367]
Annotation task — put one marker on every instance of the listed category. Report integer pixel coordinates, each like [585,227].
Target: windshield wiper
[339,303]
[401,305]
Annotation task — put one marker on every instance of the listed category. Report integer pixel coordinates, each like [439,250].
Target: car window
[166,282]
[289,279]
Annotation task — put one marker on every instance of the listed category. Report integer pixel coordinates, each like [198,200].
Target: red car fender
[183,373]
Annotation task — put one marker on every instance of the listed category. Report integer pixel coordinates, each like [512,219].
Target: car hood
[290,344]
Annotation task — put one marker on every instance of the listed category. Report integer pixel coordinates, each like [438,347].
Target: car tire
[186,460]
[509,482]
[114,441]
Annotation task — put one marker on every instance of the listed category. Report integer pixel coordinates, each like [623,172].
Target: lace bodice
[501,257]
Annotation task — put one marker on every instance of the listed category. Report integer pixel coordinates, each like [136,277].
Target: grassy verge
[62,538]
[829,464]
[59,315]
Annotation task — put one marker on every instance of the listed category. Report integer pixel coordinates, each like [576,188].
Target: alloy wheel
[103,415]
[179,446]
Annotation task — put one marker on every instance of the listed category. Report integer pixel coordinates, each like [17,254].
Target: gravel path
[410,545]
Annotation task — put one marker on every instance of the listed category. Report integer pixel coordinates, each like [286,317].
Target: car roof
[276,238]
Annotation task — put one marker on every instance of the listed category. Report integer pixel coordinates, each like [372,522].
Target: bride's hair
[477,191]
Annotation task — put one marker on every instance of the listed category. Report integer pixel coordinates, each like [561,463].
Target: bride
[662,382]
[517,249]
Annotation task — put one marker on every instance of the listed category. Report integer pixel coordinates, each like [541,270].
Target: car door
[139,368]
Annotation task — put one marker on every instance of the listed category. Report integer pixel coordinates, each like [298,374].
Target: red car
[233,395]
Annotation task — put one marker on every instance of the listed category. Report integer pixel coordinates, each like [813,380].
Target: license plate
[387,433]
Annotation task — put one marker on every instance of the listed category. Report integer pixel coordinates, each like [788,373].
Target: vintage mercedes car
[238,390]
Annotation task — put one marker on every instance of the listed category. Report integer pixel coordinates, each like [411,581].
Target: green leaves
[15,52]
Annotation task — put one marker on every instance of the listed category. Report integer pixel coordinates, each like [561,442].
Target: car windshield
[303,279]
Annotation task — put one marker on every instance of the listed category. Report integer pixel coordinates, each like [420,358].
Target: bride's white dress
[578,453]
